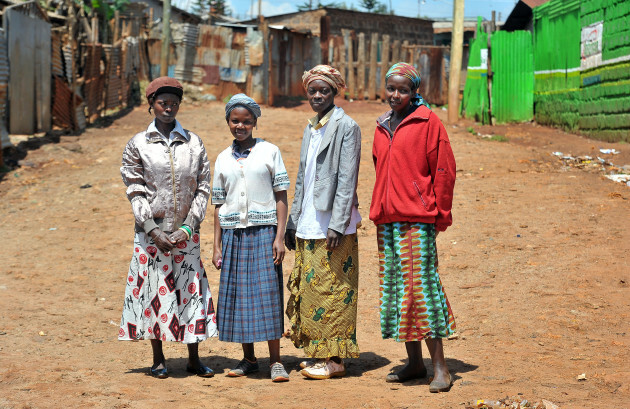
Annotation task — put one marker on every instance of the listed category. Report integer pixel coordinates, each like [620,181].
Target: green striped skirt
[413,304]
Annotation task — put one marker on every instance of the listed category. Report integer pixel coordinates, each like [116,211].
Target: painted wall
[582,66]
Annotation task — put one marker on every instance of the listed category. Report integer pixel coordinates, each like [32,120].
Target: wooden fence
[364,61]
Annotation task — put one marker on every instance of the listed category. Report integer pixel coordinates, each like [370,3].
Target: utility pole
[166,38]
[457,43]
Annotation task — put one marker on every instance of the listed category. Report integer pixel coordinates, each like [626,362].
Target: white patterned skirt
[167,297]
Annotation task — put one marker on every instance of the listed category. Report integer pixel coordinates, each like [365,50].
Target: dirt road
[536,267]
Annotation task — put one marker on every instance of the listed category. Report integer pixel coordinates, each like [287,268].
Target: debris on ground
[609,151]
[511,403]
[619,174]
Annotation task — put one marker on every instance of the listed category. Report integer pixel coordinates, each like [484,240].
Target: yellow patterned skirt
[322,307]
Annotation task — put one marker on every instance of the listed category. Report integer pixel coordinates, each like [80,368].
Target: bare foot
[407,373]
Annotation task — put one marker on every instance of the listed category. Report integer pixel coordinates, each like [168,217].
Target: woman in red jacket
[411,204]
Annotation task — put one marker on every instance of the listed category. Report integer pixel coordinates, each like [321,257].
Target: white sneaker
[324,370]
[307,363]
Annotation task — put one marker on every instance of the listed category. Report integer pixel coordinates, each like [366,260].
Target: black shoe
[202,371]
[159,373]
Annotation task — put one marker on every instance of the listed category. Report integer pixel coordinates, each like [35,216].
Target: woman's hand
[278,250]
[217,258]
[177,237]
[161,240]
[289,239]
[333,239]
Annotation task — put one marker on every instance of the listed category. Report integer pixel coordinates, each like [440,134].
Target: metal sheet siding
[475,102]
[557,45]
[513,76]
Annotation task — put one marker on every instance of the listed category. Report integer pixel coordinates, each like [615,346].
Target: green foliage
[218,7]
[102,7]
[471,130]
[310,5]
[498,138]
[373,6]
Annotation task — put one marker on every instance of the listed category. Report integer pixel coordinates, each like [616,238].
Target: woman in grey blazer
[322,226]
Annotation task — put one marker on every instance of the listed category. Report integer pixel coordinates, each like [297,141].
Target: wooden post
[384,65]
[333,53]
[116,26]
[166,38]
[373,79]
[404,53]
[492,27]
[351,81]
[341,43]
[457,42]
[263,26]
[94,38]
[395,52]
[361,68]
[270,72]
[324,34]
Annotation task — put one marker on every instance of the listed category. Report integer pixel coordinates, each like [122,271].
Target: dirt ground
[536,267]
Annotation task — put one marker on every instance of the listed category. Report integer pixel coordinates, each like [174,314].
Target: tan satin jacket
[168,184]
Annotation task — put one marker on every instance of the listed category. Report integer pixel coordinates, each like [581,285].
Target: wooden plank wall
[363,61]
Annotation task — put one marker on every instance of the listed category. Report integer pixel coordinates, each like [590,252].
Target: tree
[220,7]
[373,6]
[215,7]
[310,5]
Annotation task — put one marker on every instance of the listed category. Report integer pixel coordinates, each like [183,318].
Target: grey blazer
[336,172]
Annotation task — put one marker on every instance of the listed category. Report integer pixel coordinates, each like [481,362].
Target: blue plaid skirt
[250,305]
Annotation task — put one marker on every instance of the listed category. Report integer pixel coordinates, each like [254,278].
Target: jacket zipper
[170,155]
[389,154]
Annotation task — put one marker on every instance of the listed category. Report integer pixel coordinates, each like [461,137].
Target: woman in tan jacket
[167,174]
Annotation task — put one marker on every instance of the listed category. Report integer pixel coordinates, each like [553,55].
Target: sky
[242,9]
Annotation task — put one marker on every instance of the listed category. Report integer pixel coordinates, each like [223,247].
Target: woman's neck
[247,143]
[322,114]
[402,114]
[165,128]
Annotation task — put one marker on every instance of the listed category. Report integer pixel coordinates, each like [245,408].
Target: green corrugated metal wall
[475,102]
[512,67]
[571,91]
[557,34]
[605,98]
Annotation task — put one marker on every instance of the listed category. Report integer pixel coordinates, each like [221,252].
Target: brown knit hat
[164,85]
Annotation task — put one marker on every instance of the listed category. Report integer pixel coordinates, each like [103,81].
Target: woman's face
[241,123]
[165,107]
[320,95]
[398,92]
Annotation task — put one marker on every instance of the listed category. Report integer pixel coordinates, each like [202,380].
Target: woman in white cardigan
[250,194]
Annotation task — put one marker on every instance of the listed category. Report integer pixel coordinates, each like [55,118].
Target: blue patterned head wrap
[408,71]
[242,100]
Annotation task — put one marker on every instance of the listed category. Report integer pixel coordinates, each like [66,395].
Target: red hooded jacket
[415,171]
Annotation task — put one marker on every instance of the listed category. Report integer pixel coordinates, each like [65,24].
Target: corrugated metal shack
[604,106]
[583,66]
[500,80]
[67,78]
